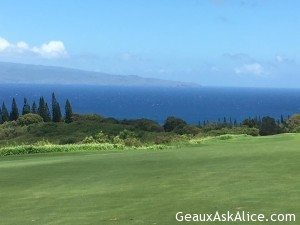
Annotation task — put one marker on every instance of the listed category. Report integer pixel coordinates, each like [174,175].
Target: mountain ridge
[17,73]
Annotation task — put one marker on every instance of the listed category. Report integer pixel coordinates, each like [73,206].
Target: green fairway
[259,175]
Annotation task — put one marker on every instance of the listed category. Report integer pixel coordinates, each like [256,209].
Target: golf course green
[253,174]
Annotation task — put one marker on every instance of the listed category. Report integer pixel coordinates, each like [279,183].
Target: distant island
[16,73]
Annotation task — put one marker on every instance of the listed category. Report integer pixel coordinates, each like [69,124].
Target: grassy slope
[149,187]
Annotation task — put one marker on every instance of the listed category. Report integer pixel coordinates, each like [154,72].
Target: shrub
[118,140]
[28,119]
[268,126]
[187,129]
[132,142]
[235,130]
[127,138]
[43,142]
[97,138]
[10,130]
[88,117]
[68,140]
[292,124]
[148,125]
[172,122]
[110,120]
[101,137]
[250,123]
[125,134]
[162,139]
[88,140]
[226,137]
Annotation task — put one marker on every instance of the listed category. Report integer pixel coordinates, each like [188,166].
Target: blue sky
[212,42]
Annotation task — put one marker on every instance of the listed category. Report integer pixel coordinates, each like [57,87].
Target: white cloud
[283,59]
[254,68]
[4,44]
[22,45]
[52,49]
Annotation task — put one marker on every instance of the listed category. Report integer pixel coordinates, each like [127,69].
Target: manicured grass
[260,175]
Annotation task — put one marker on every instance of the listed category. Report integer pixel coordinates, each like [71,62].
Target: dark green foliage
[268,126]
[68,112]
[59,133]
[172,122]
[125,134]
[148,125]
[292,124]
[144,124]
[14,114]
[26,107]
[68,140]
[88,117]
[163,138]
[128,138]
[235,123]
[251,123]
[56,112]
[187,129]
[234,130]
[28,119]
[43,110]
[1,120]
[5,114]
[48,115]
[111,120]
[34,108]
[281,119]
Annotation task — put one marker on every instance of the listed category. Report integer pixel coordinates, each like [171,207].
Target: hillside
[14,73]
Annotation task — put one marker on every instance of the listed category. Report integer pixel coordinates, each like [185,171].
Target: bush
[132,142]
[127,138]
[235,130]
[68,140]
[125,134]
[98,138]
[172,122]
[292,124]
[110,120]
[88,117]
[43,142]
[250,123]
[88,140]
[10,130]
[187,129]
[28,119]
[101,137]
[148,125]
[268,126]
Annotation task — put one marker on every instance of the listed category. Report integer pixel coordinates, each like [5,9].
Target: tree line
[260,125]
[42,112]
[42,109]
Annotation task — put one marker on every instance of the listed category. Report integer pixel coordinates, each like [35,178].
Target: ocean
[191,104]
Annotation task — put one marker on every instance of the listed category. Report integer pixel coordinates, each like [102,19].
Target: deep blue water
[193,105]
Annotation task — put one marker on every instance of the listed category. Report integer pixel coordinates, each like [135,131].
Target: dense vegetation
[43,125]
